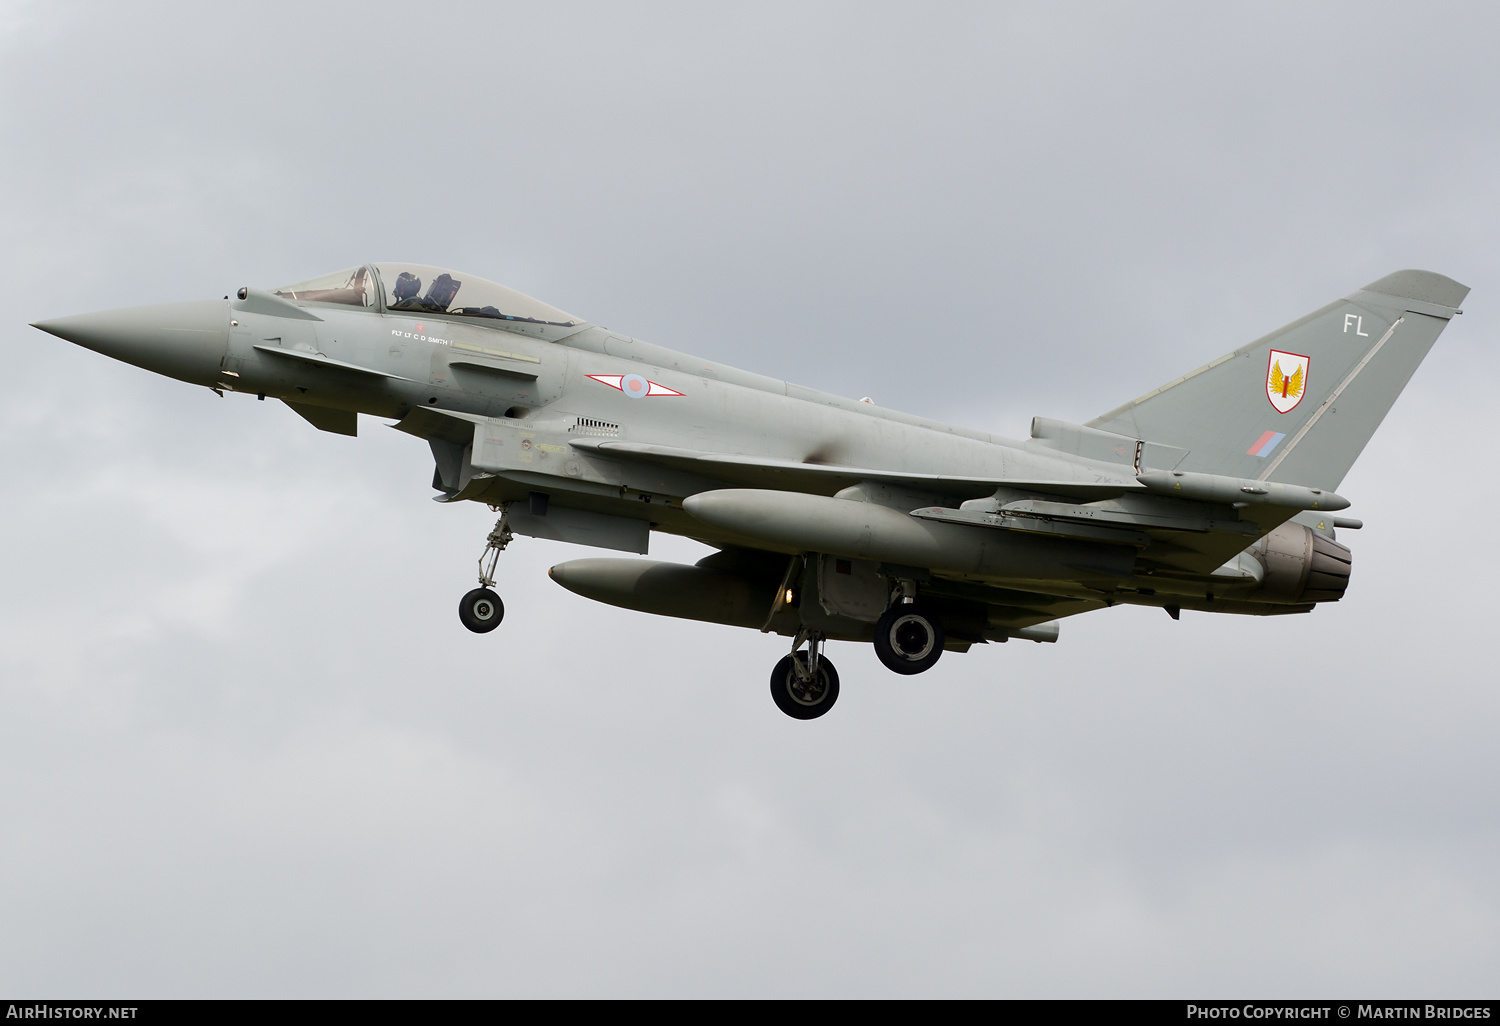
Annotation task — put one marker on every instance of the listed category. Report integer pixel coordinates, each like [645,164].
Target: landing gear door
[852,587]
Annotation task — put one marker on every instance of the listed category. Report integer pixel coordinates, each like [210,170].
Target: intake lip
[186,341]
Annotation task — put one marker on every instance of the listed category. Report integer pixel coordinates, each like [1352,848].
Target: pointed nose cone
[181,340]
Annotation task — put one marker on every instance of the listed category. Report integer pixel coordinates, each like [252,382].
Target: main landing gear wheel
[800,694]
[481,610]
[908,639]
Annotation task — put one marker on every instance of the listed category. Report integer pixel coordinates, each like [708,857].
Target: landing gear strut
[481,609]
[804,685]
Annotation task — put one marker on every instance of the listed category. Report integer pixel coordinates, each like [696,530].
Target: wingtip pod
[1422,286]
[1216,488]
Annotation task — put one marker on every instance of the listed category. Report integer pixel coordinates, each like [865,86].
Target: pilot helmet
[407,286]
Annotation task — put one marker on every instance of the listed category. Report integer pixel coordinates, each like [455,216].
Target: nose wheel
[804,685]
[481,609]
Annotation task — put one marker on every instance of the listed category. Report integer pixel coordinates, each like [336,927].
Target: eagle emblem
[1286,380]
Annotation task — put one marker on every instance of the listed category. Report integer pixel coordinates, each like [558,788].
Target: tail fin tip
[1423,286]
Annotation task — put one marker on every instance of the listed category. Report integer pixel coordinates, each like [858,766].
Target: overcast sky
[248,750]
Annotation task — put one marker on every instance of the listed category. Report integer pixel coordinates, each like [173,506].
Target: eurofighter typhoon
[832,519]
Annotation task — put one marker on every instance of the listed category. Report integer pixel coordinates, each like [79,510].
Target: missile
[863,530]
[1215,488]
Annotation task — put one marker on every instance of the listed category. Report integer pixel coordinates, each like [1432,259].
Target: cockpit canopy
[418,288]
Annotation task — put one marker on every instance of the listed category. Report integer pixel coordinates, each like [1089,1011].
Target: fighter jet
[831,519]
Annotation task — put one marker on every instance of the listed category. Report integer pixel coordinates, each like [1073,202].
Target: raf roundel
[633,385]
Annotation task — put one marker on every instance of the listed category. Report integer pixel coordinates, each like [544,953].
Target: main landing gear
[481,609]
[804,685]
[908,639]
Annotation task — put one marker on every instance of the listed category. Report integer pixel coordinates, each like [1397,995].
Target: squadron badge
[1286,380]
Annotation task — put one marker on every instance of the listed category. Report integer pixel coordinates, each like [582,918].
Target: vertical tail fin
[1299,404]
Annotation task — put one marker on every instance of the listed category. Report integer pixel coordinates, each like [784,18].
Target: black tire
[481,610]
[908,639]
[800,700]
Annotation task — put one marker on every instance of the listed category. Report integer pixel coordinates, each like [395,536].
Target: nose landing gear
[481,609]
[804,685]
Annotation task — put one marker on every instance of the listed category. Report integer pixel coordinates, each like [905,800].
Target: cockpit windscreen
[353,287]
